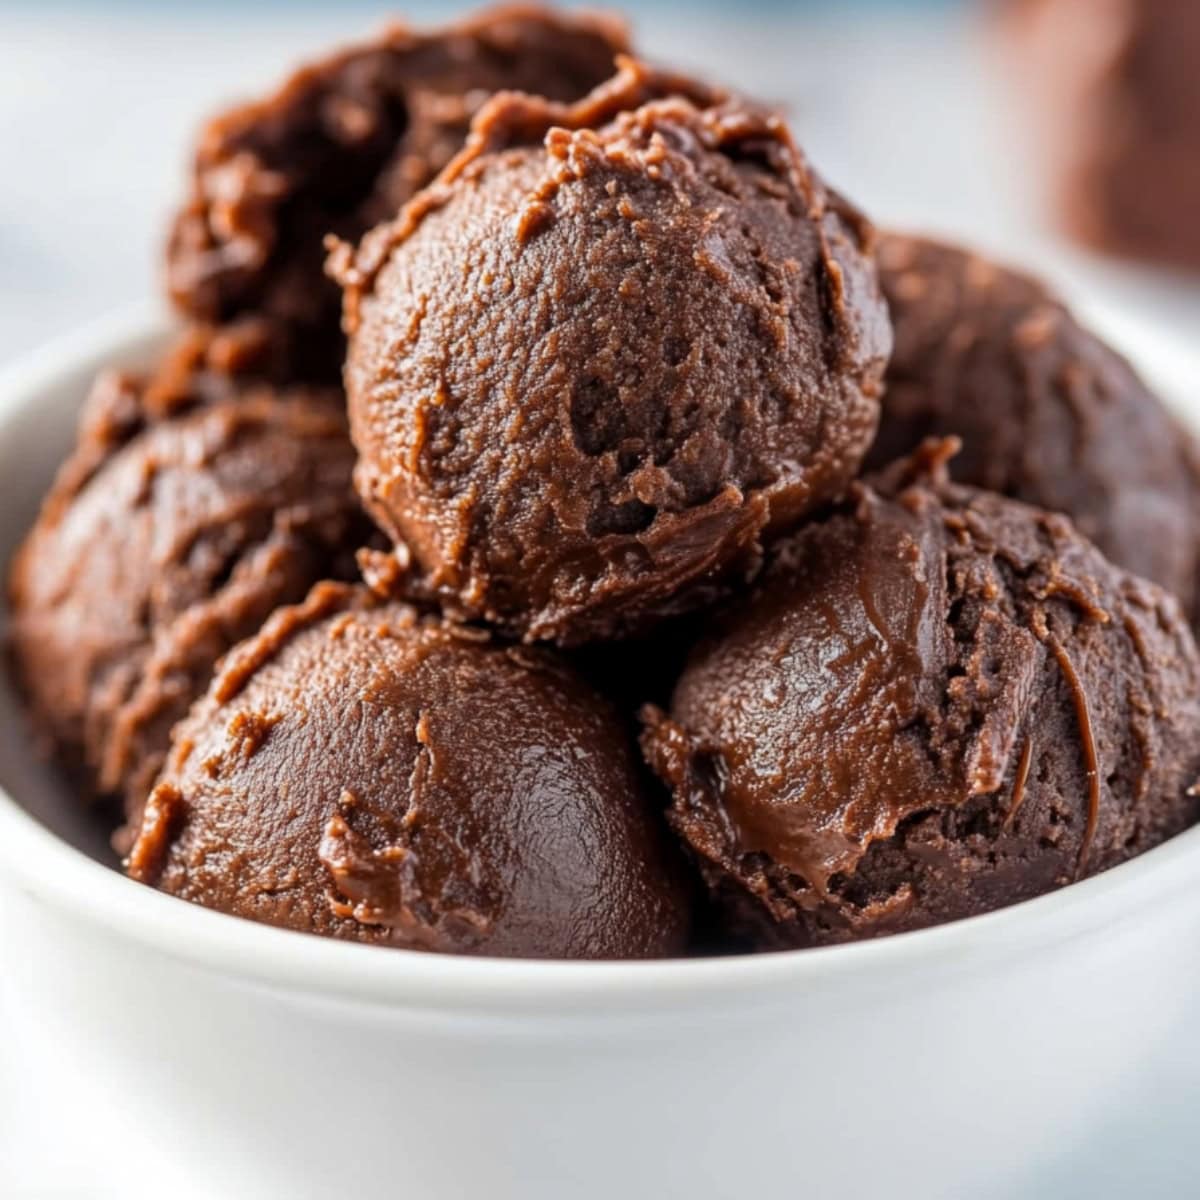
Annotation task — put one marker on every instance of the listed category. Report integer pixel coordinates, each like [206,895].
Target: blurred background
[1054,132]
[917,108]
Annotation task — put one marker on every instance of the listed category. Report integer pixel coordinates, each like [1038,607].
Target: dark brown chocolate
[1114,90]
[165,540]
[1047,413]
[341,145]
[936,702]
[613,350]
[363,773]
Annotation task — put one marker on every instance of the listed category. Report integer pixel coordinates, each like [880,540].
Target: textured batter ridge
[340,146]
[936,702]
[165,540]
[363,773]
[1047,413]
[614,348]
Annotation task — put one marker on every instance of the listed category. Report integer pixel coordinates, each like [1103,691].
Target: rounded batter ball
[165,540]
[609,353]
[365,773]
[1047,413]
[340,146]
[936,702]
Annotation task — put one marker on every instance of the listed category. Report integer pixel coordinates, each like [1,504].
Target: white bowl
[959,1061]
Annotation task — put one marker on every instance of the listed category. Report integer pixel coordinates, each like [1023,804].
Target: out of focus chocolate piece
[1114,90]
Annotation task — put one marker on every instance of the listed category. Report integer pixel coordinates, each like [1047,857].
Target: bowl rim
[43,866]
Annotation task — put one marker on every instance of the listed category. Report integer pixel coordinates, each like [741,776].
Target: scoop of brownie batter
[364,773]
[610,352]
[1047,413]
[341,145]
[936,701]
[166,539]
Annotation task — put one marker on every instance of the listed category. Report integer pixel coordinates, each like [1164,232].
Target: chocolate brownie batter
[1116,95]
[363,773]
[162,543]
[341,146]
[203,364]
[1047,413]
[613,349]
[936,701]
